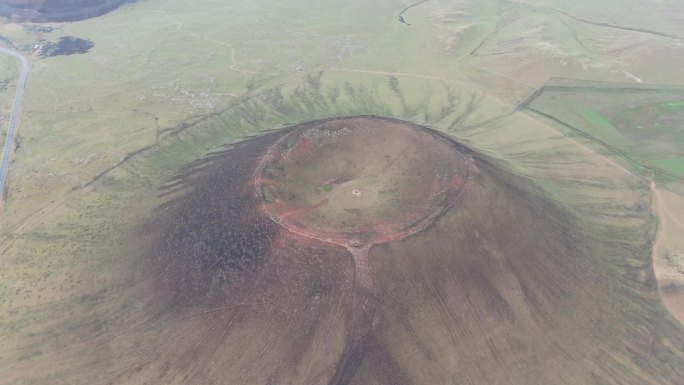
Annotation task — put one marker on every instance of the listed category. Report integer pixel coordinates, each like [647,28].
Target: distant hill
[56,10]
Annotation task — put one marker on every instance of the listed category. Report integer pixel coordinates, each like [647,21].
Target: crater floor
[360,181]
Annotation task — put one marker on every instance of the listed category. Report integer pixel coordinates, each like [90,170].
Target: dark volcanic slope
[56,10]
[505,287]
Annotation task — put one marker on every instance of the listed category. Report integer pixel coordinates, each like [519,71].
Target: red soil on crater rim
[360,181]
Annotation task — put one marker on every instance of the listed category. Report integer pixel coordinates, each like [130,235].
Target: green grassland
[70,270]
[156,65]
[169,81]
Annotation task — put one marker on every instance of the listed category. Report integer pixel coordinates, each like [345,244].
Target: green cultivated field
[639,124]
[673,165]
[674,105]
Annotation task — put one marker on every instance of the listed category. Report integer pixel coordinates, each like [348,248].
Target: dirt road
[14,117]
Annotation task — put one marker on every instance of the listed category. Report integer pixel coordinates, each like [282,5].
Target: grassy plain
[640,126]
[169,81]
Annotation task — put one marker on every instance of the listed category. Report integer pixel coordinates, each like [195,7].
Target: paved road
[14,118]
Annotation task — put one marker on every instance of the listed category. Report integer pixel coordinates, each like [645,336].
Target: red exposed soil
[429,200]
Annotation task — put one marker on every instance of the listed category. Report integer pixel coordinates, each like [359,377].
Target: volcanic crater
[317,195]
[368,250]
[359,181]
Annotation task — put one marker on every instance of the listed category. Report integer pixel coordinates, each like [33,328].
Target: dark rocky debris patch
[66,45]
[56,10]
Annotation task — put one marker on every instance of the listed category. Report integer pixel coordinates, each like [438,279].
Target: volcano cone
[367,250]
